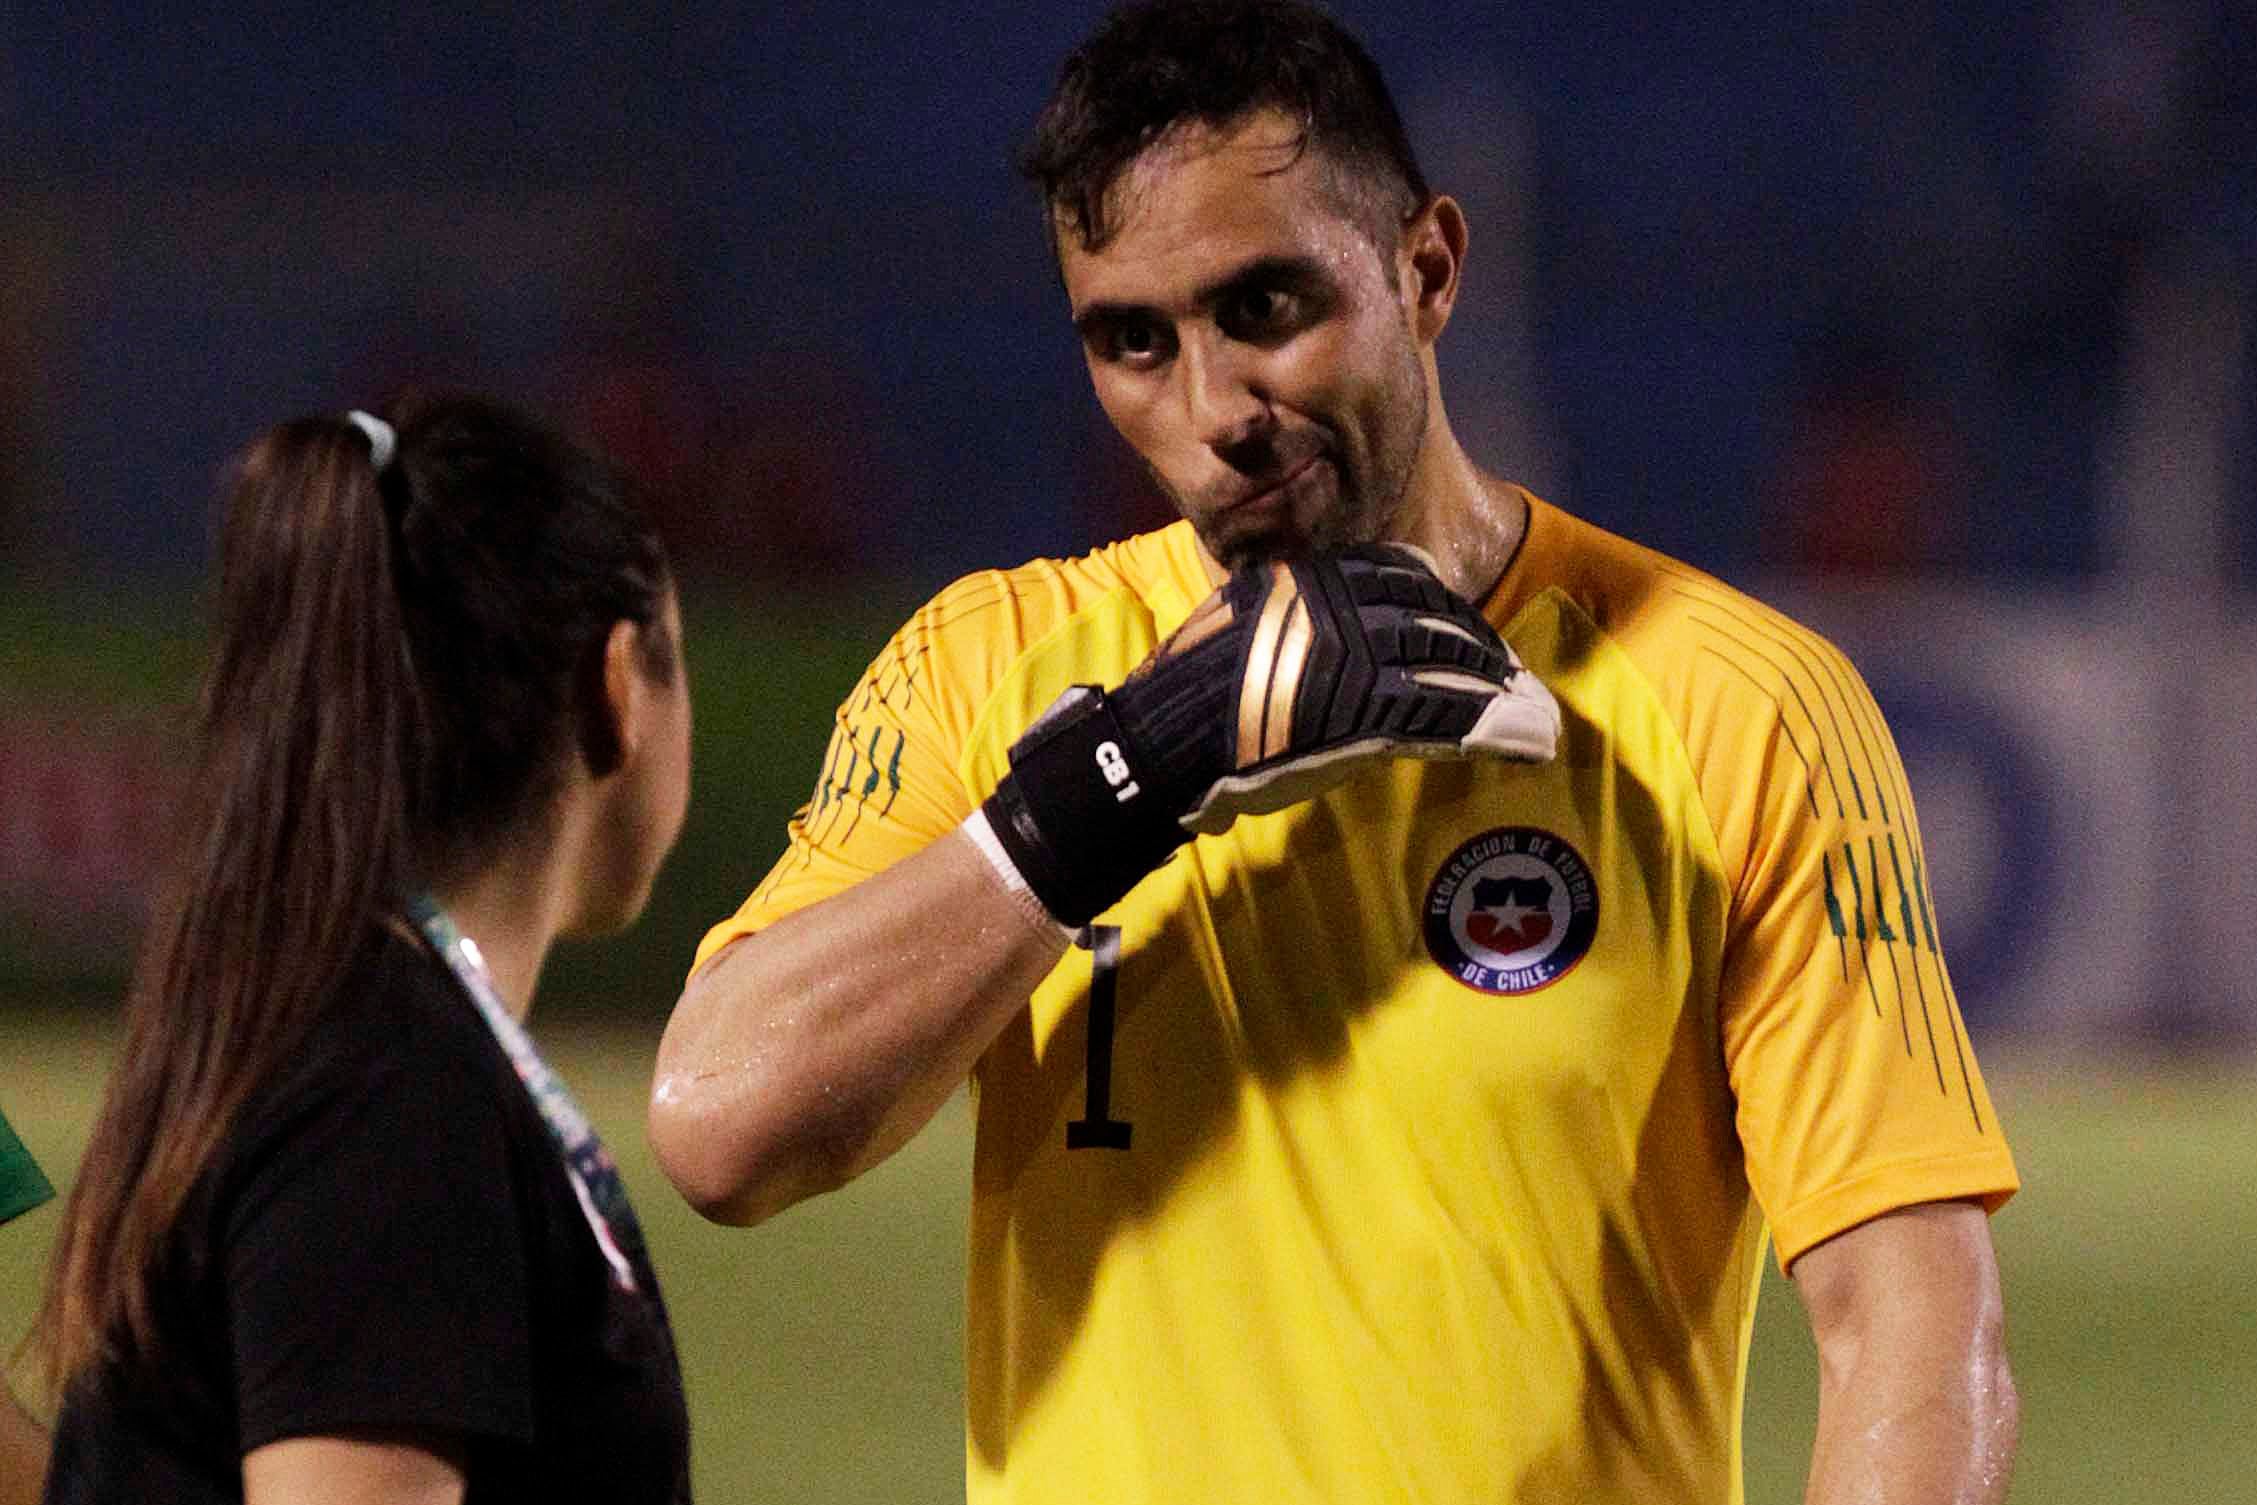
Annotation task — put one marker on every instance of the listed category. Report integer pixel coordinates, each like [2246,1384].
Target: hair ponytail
[393,691]
[292,834]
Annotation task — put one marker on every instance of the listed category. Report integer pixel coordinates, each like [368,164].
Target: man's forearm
[802,1056]
[1889,1431]
[1916,1400]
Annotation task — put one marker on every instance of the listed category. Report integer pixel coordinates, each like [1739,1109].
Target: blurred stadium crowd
[1934,319]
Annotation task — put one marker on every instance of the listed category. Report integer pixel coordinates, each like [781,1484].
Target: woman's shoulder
[395,1051]
[398,1000]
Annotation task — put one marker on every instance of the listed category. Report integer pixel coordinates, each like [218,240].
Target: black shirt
[387,1239]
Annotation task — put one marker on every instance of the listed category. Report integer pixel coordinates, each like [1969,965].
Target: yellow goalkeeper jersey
[1417,1143]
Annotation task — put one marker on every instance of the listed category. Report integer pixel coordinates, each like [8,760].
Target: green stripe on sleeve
[22,1186]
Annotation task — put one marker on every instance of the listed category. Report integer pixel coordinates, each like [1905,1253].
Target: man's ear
[1431,256]
[614,699]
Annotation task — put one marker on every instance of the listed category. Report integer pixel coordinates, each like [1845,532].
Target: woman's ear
[615,700]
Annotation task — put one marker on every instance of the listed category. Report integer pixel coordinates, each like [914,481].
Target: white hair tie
[382,441]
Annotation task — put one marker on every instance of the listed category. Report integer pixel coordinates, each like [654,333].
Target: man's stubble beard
[1353,521]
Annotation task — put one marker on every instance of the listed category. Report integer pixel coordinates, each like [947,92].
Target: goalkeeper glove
[1280,685]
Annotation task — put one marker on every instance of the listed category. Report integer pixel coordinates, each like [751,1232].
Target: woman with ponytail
[339,1233]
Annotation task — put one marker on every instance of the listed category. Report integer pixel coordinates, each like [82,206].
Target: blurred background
[1929,323]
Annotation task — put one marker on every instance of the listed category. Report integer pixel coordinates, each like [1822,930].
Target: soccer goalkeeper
[1445,1022]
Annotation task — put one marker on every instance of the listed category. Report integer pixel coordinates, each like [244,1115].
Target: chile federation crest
[1511,911]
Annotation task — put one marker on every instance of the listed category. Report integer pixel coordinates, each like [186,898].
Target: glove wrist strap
[1080,814]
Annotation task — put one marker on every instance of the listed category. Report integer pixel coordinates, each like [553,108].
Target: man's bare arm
[802,1056]
[1916,1402]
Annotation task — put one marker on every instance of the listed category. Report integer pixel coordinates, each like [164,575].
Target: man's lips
[1271,491]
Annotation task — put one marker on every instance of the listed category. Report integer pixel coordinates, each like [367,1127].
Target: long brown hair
[397,663]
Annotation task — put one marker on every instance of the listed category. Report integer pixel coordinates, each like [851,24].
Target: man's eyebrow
[1103,316]
[1294,273]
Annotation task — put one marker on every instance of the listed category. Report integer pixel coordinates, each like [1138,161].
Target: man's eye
[1256,311]
[1131,343]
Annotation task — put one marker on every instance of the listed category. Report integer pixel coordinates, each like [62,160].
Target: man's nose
[1223,392]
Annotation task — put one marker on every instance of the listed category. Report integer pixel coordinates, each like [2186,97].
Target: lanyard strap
[587,1164]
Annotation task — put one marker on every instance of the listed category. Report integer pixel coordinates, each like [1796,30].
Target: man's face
[1251,343]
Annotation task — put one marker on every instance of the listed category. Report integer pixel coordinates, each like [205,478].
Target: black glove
[1280,685]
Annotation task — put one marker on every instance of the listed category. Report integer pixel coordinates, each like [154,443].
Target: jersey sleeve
[375,1264]
[893,778]
[22,1186]
[1856,1084]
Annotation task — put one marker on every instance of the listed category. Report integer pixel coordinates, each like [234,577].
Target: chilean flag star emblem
[1511,911]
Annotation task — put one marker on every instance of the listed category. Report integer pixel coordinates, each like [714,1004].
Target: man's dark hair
[1156,65]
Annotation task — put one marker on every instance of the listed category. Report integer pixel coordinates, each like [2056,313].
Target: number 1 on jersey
[1097,1129]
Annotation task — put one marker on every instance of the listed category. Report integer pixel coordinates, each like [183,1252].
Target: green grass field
[822,1348]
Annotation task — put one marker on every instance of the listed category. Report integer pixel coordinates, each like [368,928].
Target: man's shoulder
[970,657]
[1661,610]
[1120,593]
[1618,629]
[1151,564]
